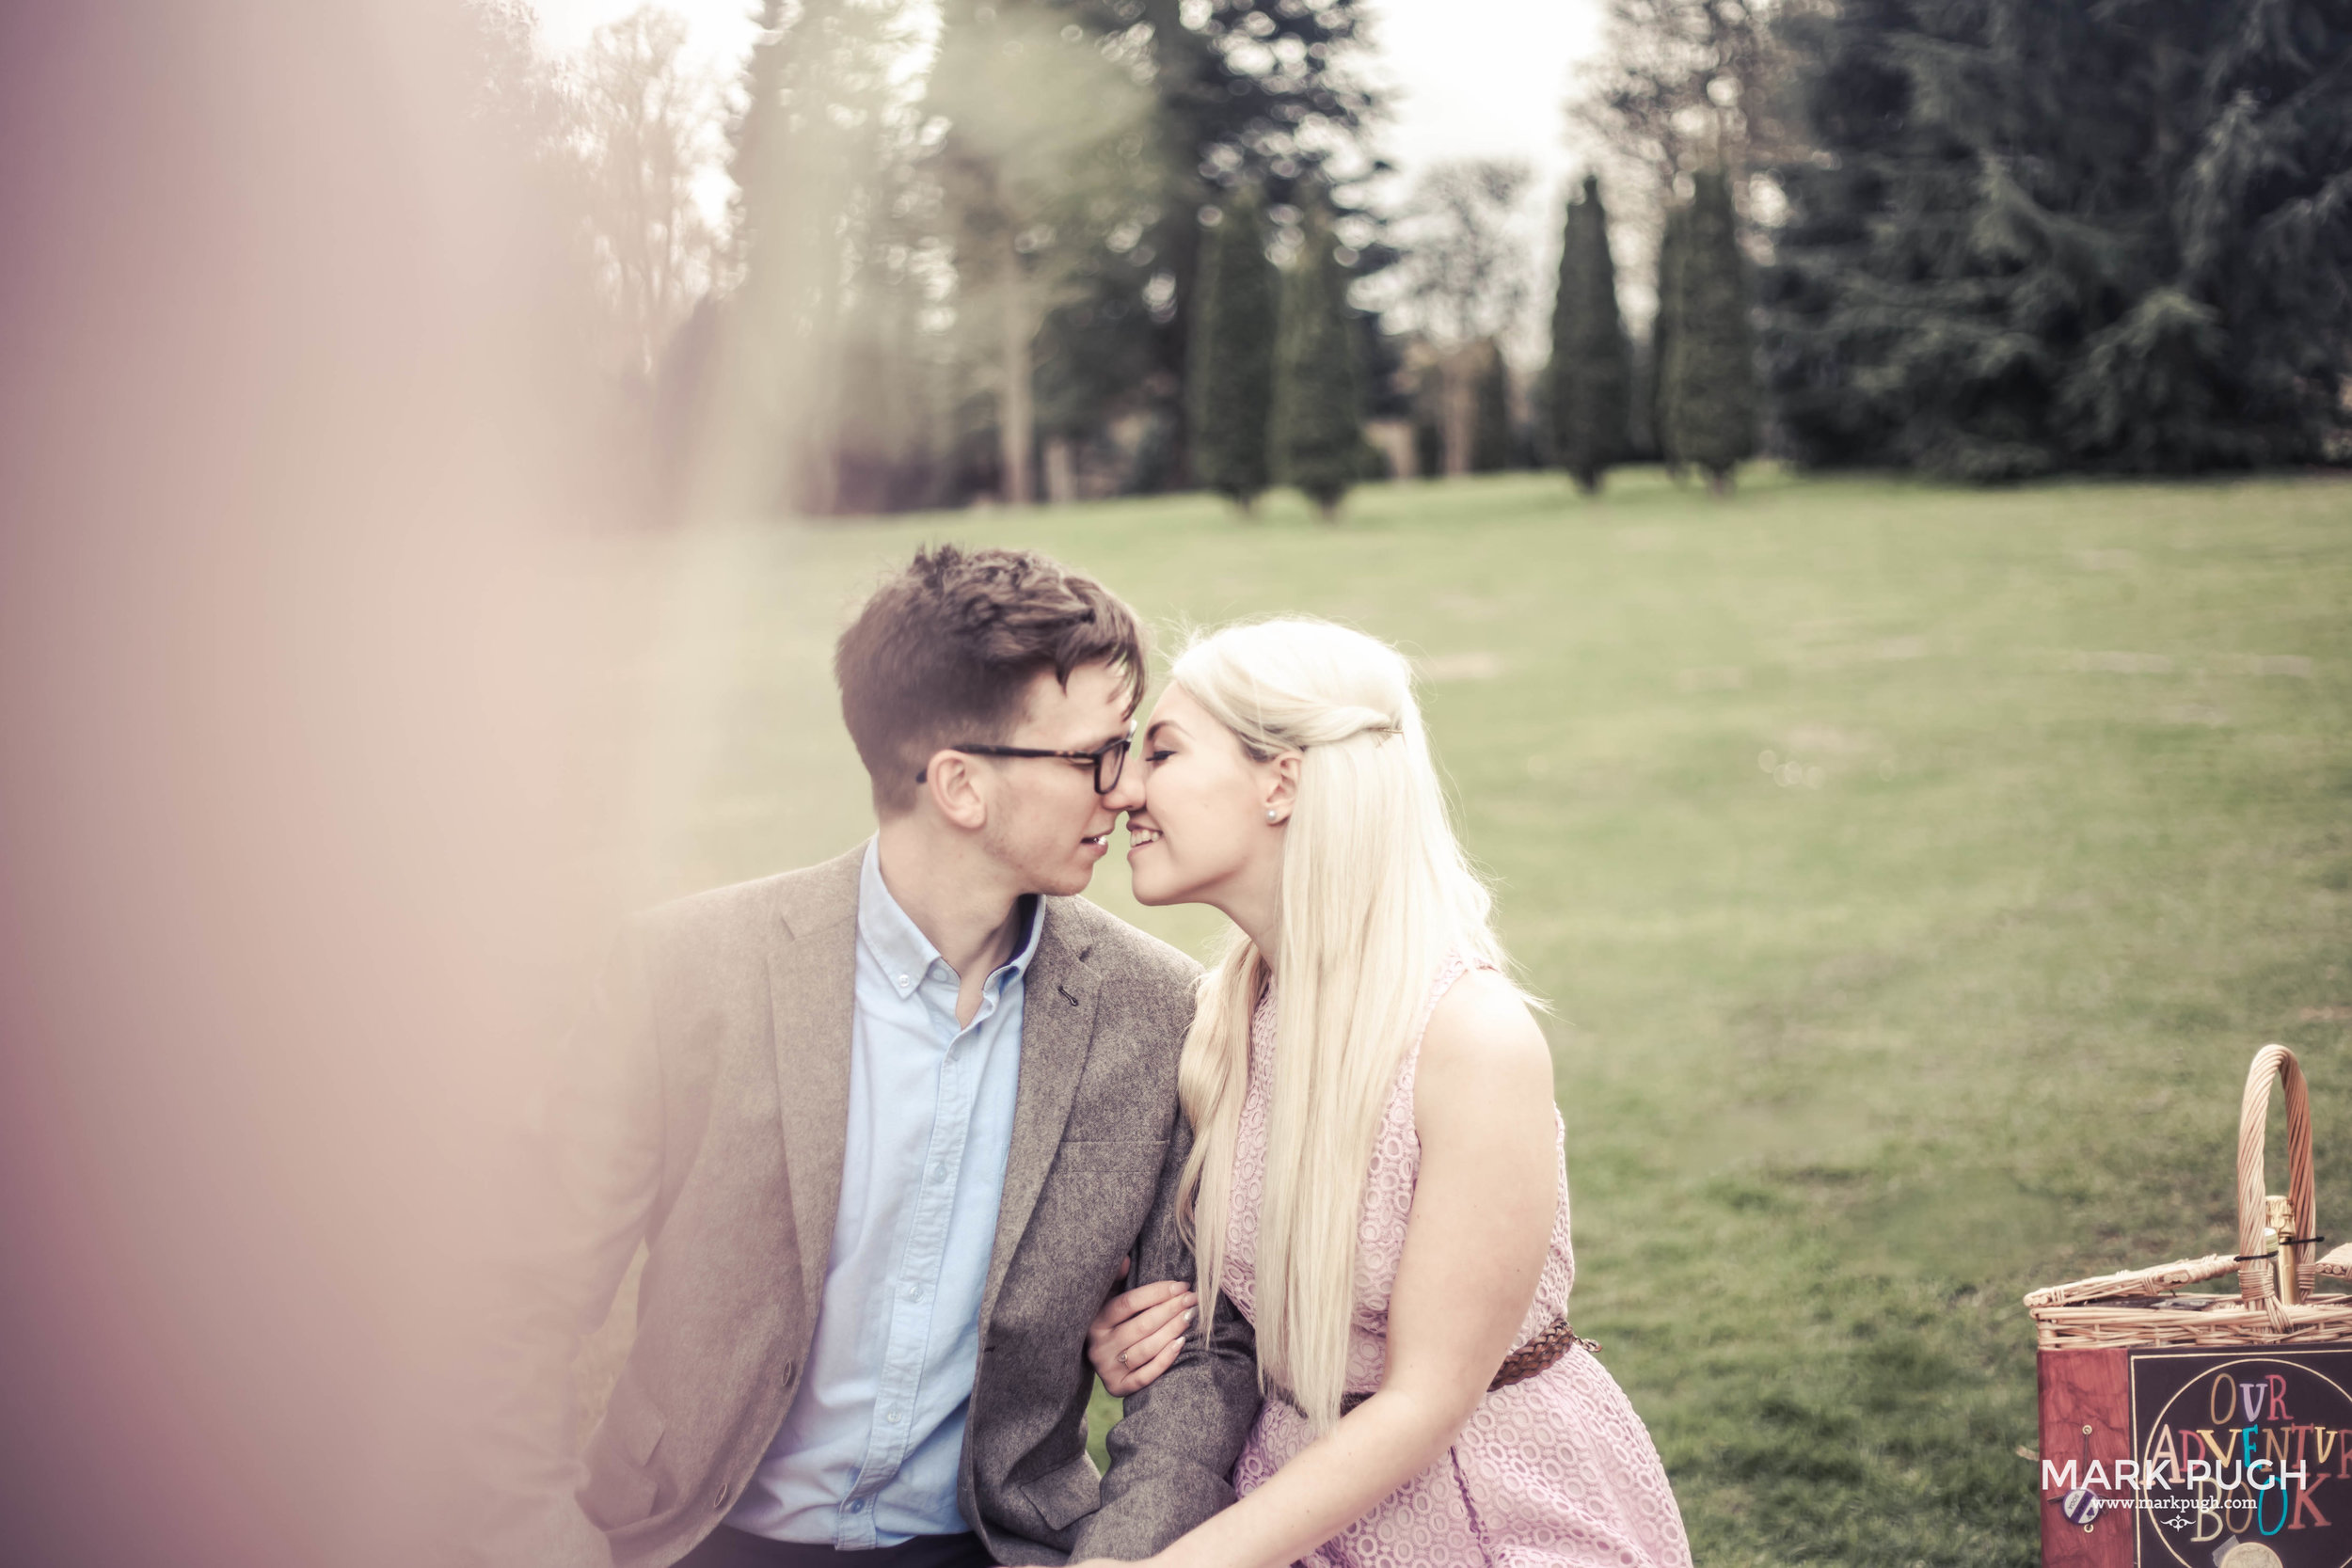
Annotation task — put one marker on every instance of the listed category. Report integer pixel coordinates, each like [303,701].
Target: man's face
[1046,823]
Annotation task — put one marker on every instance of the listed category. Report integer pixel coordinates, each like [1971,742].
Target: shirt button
[939,1173]
[857,1505]
[914,1292]
[891,1416]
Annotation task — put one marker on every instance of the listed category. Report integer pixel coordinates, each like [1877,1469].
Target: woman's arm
[1474,1252]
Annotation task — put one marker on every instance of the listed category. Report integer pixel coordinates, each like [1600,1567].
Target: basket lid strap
[2271,1063]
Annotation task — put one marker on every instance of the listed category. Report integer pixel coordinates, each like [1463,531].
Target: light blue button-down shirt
[867,1455]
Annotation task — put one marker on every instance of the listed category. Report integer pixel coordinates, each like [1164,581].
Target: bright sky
[1481,79]
[1467,78]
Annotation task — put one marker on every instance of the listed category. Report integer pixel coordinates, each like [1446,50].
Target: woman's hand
[1139,1332]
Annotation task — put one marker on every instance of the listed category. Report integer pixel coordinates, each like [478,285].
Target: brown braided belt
[1518,1367]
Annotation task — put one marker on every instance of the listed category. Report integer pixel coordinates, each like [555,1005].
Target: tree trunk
[1394,437]
[1062,470]
[1719,482]
[1461,413]
[1016,415]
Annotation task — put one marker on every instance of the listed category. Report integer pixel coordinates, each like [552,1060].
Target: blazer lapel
[1057,1026]
[812,982]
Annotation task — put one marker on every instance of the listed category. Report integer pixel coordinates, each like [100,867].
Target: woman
[1376,1178]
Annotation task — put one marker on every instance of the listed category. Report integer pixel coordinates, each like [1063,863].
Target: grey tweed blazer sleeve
[1173,1449]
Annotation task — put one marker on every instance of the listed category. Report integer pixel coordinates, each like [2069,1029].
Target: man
[887,1127]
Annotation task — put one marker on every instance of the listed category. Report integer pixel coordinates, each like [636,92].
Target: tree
[1263,94]
[811,148]
[1256,93]
[2055,235]
[1318,421]
[519,98]
[1039,199]
[885,434]
[1495,446]
[1673,239]
[1047,145]
[1678,86]
[1463,280]
[1711,390]
[1232,381]
[1592,360]
[645,127]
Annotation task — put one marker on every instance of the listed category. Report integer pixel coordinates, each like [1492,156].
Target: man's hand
[1139,1332]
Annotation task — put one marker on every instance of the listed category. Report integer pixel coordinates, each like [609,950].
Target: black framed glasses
[1109,759]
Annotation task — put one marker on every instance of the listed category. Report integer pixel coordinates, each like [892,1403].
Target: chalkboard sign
[2239,1459]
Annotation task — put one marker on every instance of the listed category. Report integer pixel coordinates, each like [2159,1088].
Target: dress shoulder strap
[1456,965]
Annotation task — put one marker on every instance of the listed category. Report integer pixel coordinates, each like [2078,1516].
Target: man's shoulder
[812,897]
[1119,950]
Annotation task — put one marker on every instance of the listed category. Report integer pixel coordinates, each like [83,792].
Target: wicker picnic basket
[2131,1369]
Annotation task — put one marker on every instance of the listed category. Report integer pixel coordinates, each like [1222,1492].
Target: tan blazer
[705,1110]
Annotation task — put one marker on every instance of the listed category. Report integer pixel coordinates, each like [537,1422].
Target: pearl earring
[1269,813]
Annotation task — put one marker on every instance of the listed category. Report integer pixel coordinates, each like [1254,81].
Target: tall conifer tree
[1711,390]
[1318,419]
[1592,361]
[1232,383]
[1671,242]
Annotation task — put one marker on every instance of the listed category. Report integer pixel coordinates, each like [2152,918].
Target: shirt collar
[1030,912]
[905,952]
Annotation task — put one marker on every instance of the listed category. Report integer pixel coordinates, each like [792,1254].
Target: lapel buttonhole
[1065,993]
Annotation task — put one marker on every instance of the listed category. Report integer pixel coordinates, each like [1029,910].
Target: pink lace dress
[1556,1471]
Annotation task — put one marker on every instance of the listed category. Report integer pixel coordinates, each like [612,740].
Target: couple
[891,1128]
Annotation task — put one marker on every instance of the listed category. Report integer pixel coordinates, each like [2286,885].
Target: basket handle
[2273,1062]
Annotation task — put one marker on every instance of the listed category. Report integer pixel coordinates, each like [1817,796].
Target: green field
[1913,873]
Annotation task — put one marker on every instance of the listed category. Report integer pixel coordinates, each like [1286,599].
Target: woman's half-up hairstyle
[1375,892]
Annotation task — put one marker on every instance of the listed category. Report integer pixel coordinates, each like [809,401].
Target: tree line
[1001,278]
[2039,235]
[1994,239]
[1118,245]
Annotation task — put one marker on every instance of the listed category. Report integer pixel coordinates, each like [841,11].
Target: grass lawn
[1914,872]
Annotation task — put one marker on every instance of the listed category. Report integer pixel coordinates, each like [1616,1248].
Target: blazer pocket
[1063,1496]
[620,1490]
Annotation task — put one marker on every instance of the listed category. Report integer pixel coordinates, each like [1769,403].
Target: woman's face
[1202,831]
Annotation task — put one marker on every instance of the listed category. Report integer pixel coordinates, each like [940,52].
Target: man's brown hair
[945,652]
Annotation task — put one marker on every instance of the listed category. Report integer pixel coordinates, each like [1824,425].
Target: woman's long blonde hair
[1375,892]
